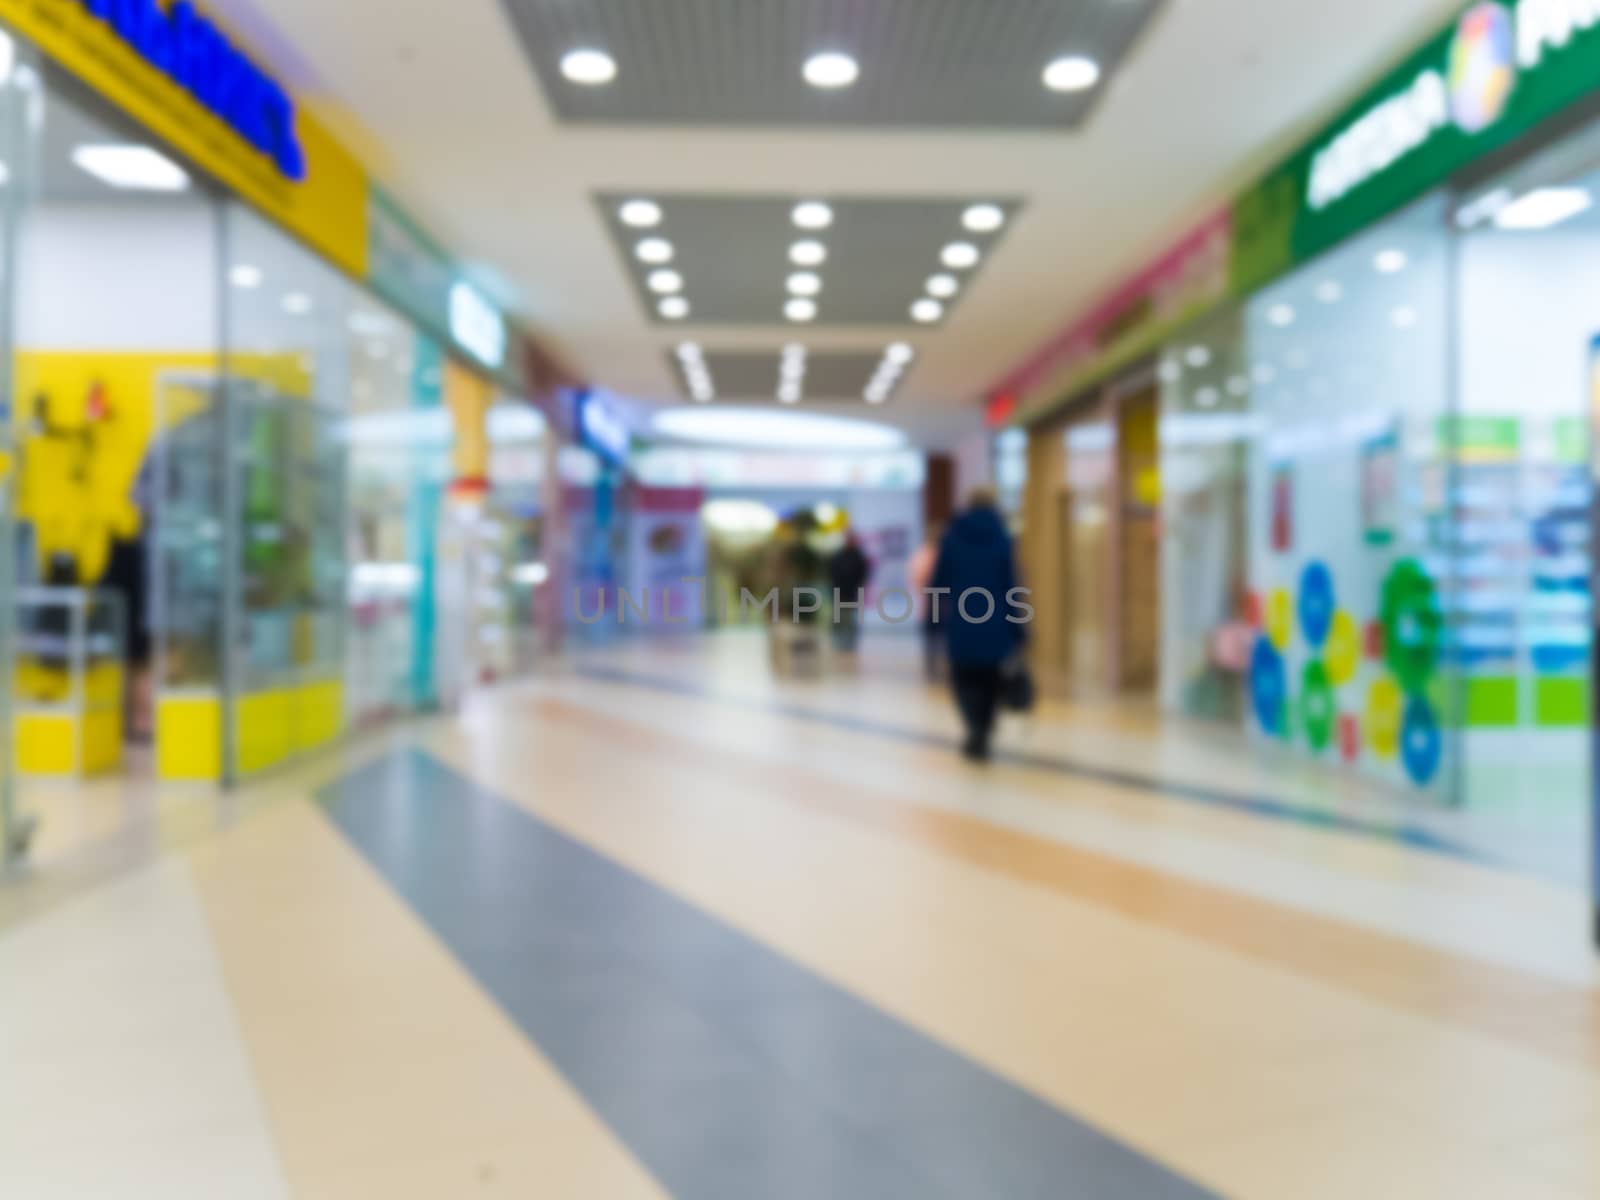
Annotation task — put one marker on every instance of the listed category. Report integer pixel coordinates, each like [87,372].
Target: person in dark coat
[974,586]
[849,571]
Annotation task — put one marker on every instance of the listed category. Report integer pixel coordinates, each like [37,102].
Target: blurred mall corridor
[799,599]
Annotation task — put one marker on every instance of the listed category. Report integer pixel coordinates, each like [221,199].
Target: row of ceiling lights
[804,286]
[895,360]
[957,256]
[656,251]
[830,70]
[693,361]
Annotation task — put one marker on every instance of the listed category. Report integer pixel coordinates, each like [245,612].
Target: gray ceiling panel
[924,63]
[753,375]
[733,254]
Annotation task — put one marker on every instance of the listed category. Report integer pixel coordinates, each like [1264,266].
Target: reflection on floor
[663,925]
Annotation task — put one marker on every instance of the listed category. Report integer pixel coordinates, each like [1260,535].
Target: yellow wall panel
[47,744]
[319,714]
[263,730]
[189,738]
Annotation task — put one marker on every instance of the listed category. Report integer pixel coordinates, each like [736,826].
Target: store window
[115,383]
[1350,565]
[1207,426]
[1529,385]
[399,438]
[288,375]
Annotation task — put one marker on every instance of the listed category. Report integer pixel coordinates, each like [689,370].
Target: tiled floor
[661,925]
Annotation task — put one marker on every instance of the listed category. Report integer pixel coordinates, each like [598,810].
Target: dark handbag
[1017,693]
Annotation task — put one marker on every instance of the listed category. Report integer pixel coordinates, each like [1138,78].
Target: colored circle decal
[1280,618]
[1483,67]
[1269,687]
[1412,625]
[1344,649]
[1317,603]
[1385,707]
[1319,711]
[1422,745]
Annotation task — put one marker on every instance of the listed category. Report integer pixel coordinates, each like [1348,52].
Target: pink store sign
[1190,276]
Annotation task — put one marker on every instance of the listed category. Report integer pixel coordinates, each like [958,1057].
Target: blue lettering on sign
[182,44]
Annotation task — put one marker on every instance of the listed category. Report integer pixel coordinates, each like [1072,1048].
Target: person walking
[973,591]
[849,571]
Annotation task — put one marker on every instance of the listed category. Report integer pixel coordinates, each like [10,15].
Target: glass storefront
[1207,425]
[1350,562]
[1377,492]
[229,468]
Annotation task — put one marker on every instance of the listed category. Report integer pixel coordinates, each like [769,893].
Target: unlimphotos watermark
[799,605]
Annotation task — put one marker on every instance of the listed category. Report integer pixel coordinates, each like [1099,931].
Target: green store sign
[1502,68]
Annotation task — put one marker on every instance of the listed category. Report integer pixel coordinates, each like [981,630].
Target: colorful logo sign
[1483,67]
[196,55]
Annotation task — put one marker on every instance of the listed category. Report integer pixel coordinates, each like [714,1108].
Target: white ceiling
[440,100]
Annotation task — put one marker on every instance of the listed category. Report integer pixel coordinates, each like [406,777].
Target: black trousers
[978,697]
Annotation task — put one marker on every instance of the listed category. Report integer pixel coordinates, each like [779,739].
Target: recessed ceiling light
[1074,73]
[1238,385]
[673,308]
[665,281]
[808,254]
[900,352]
[831,70]
[1390,262]
[943,286]
[1404,317]
[640,214]
[688,350]
[1170,371]
[297,304]
[984,218]
[959,256]
[1543,208]
[927,311]
[1281,315]
[1330,291]
[131,167]
[1264,373]
[1198,356]
[813,214]
[805,283]
[588,66]
[654,250]
[800,310]
[244,275]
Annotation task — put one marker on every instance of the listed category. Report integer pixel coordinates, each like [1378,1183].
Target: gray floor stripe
[732,1072]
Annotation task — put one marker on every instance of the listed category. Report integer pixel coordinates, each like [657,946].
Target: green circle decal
[1412,625]
[1319,710]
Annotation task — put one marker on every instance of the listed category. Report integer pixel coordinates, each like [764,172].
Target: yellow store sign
[170,68]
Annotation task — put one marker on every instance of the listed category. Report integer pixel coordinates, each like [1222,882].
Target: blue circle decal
[1317,603]
[1421,744]
[1269,686]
